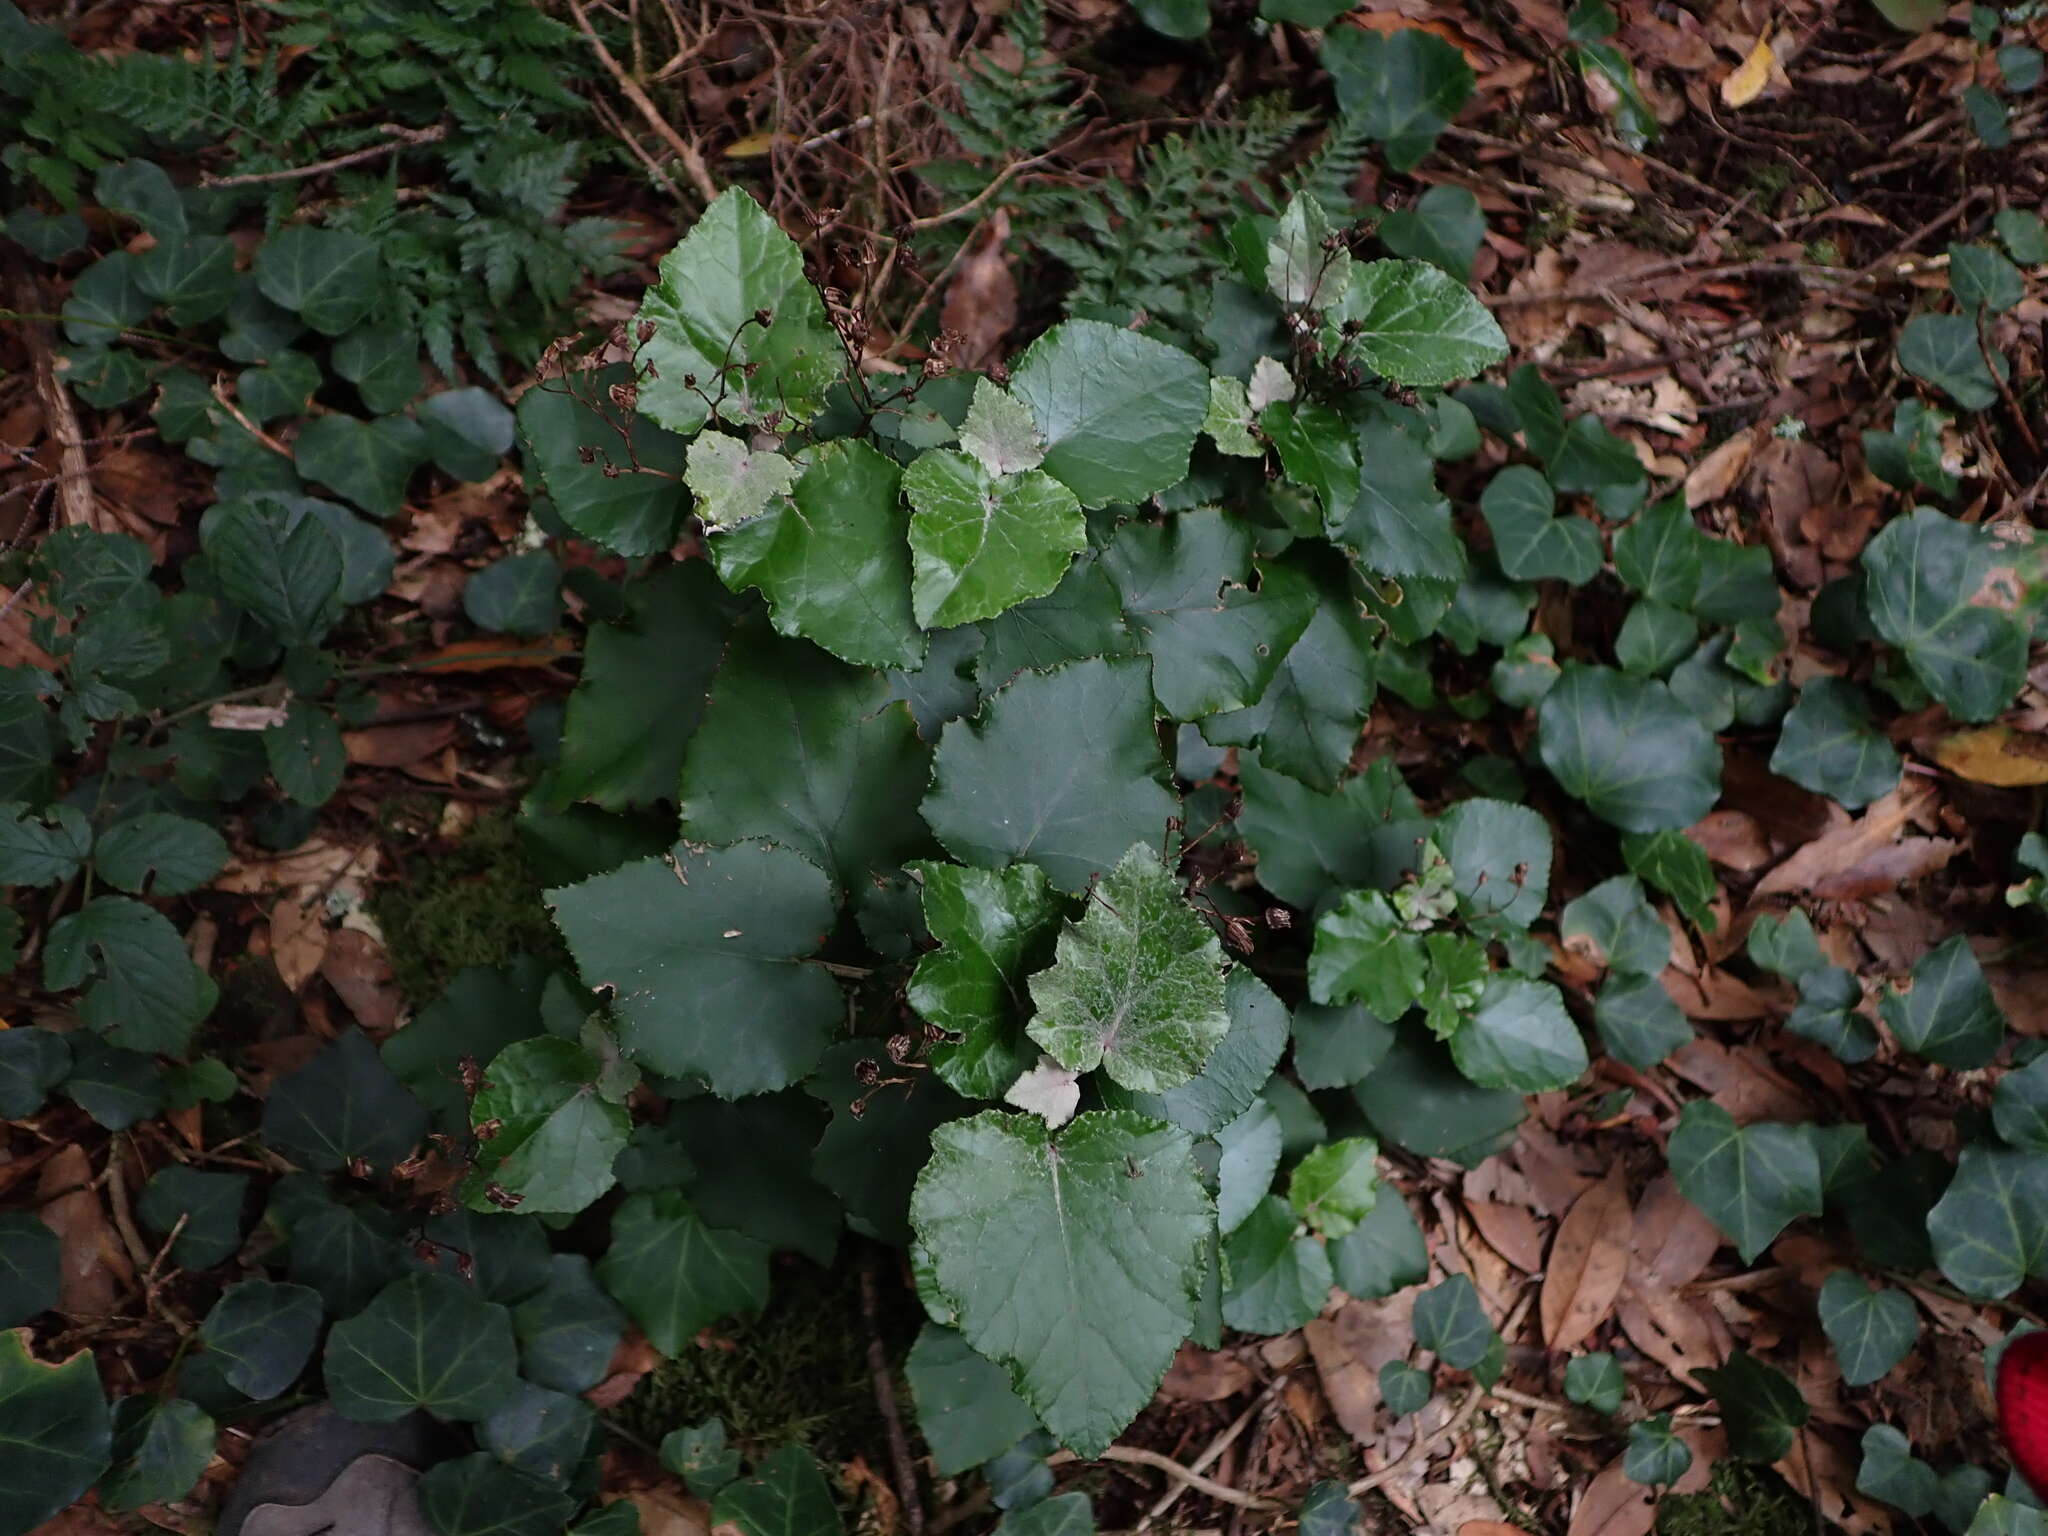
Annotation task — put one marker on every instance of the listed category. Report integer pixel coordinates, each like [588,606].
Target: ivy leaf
[1405,1388]
[1519,1037]
[709,349]
[1383,1254]
[145,994]
[1891,1472]
[1214,643]
[382,361]
[1401,90]
[1616,926]
[1399,524]
[786,1496]
[982,542]
[1750,1181]
[1628,748]
[160,1448]
[675,1275]
[1311,845]
[42,846]
[999,431]
[1655,1457]
[1061,769]
[1443,227]
[32,1062]
[624,495]
[1335,1186]
[1231,1079]
[1979,277]
[208,1204]
[1531,541]
[1761,1407]
[518,595]
[426,1341]
[965,1408]
[556,1136]
[364,462]
[342,1105]
[1417,1099]
[478,1495]
[54,1422]
[1363,952]
[809,754]
[181,853]
[1654,638]
[1990,1229]
[278,560]
[569,1329]
[1827,745]
[994,928]
[1677,866]
[30,1268]
[1417,325]
[1948,1015]
[1118,411]
[2025,235]
[540,1433]
[1871,1327]
[700,1456]
[262,1333]
[1638,1021]
[1137,988]
[1596,1382]
[468,431]
[1277,1281]
[1072,1258]
[696,941]
[1452,1325]
[1943,350]
[1920,575]
[734,482]
[115,1087]
[2019,1106]
[330,278]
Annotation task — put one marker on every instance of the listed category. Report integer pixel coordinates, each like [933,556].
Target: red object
[2023,1406]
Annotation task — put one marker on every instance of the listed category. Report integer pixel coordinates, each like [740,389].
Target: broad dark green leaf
[994,927]
[55,1425]
[1660,554]
[383,362]
[1443,226]
[1943,350]
[518,595]
[1829,746]
[965,1408]
[809,753]
[180,853]
[1384,1253]
[1529,539]
[1596,1382]
[367,463]
[1236,1070]
[1405,1388]
[2019,1106]
[104,301]
[160,1448]
[1871,1328]
[478,1495]
[1399,524]
[192,278]
[1335,1047]
[1061,769]
[1891,1472]
[1639,1022]
[542,1433]
[1615,925]
[343,1104]
[1074,1259]
[1761,1407]
[1083,616]
[209,1206]
[675,1275]
[1519,1037]
[1364,953]
[704,952]
[1500,859]
[981,543]
[556,1135]
[754,1163]
[263,1333]
[1948,1014]
[1654,638]
[468,431]
[786,1496]
[144,993]
[568,1329]
[1677,866]
[1452,1325]
[1311,846]
[1990,1229]
[114,1086]
[1626,747]
[879,1137]
[1118,411]
[1417,1099]
[2025,235]
[426,1341]
[1655,1457]
[328,277]
[626,494]
[1752,1181]
[42,846]
[1402,90]
[30,1268]
[1276,1281]
[1921,574]
[1064,1514]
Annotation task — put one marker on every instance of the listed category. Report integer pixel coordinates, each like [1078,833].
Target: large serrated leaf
[981,543]
[1118,411]
[1416,324]
[994,927]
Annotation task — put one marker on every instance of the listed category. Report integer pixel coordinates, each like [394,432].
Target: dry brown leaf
[1996,754]
[1588,1262]
[1715,475]
[298,936]
[1490,1528]
[1613,1505]
[358,969]
[1747,80]
[399,746]
[1733,839]
[1511,1231]
[1825,1474]
[488,653]
[1673,1240]
[981,301]
[316,863]
[1205,1376]
[1741,1080]
[1678,1333]
[93,1267]
[1847,844]
[1350,1345]
[1713,994]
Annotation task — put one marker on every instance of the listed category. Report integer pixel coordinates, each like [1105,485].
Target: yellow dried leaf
[755,145]
[1995,754]
[1746,82]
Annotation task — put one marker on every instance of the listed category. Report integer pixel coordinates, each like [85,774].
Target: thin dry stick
[987,192]
[60,419]
[686,152]
[1138,1456]
[1208,1458]
[401,137]
[885,1400]
[1422,1447]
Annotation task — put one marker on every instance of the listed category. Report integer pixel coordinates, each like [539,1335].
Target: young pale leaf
[1137,988]
[1990,1229]
[427,1341]
[1655,1457]
[980,542]
[965,1408]
[1060,769]
[1231,418]
[1118,411]
[1074,1259]
[1921,575]
[1452,1325]
[554,1137]
[1751,1181]
[1519,1037]
[1048,1090]
[1335,1186]
[1948,1014]
[786,1496]
[1000,433]
[1277,1280]
[675,1275]
[1870,1327]
[733,481]
[994,927]
[1306,263]
[1629,749]
[703,950]
[1417,325]
[738,328]
[1761,1407]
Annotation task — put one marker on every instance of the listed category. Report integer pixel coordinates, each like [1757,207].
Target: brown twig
[687,154]
[885,1399]
[60,418]
[1138,1456]
[1423,1445]
[1209,1457]
[400,137]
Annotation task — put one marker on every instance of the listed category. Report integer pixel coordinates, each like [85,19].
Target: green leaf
[1531,541]
[1761,1407]
[1678,867]
[280,561]
[869,1156]
[1249,1155]
[426,1341]
[115,1087]
[145,994]
[478,1495]
[1638,1021]
[160,1448]
[42,846]
[643,691]
[383,362]
[193,278]
[1499,856]
[624,494]
[1137,988]
[1655,1457]
[1215,644]
[1402,90]
[699,1454]
[141,190]
[468,431]
[1310,846]
[981,543]
[1399,525]
[965,1408]
[2025,235]
[1306,263]
[999,431]
[263,1334]
[569,1329]
[1065,1514]
[368,463]
[709,350]
[675,1275]
[1073,1259]
[1231,1079]
[1921,574]
[104,301]
[181,853]
[1384,1253]
[1660,554]
[1335,1187]
[1081,617]
[1948,1014]
[1828,746]
[1870,1327]
[306,754]
[1452,1325]
[810,754]
[556,1136]
[1318,450]
[55,1425]
[1418,1100]
[209,1205]
[544,1434]
[1891,1472]
[1750,1181]
[1944,350]
[1520,1038]
[1277,1281]
[994,928]
[328,277]
[1325,1508]
[1982,279]
[1990,1229]
[2019,1106]
[1595,1381]
[1629,749]
[697,943]
[993,802]
[1364,953]
[829,557]
[32,1062]
[786,1496]
[342,1105]
[734,481]
[1443,226]
[518,595]
[282,387]
[1416,324]
[1654,638]
[1616,926]
[1118,411]
[1405,1388]
[31,1262]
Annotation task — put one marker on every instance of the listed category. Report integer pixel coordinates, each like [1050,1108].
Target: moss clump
[1739,1500]
[474,901]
